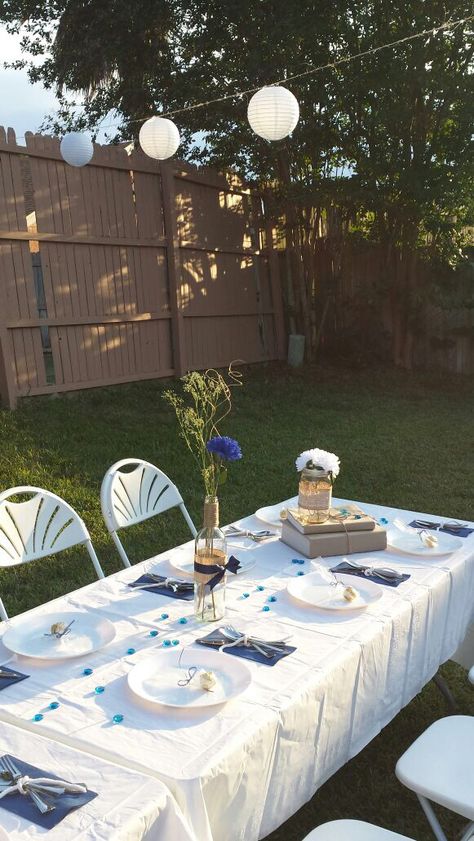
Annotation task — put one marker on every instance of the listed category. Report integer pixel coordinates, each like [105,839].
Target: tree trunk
[293,242]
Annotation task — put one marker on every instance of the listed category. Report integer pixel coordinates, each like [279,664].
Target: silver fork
[9,766]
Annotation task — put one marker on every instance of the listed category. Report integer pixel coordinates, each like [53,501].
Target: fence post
[173,261]
[8,392]
[275,284]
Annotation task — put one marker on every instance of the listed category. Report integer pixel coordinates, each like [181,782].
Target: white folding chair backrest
[352,830]
[41,525]
[133,496]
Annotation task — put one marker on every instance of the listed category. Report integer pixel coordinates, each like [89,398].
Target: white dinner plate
[270,514]
[412,545]
[187,566]
[156,678]
[88,633]
[3,835]
[314,591]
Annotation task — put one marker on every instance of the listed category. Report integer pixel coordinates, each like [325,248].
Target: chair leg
[120,549]
[468,832]
[443,687]
[3,612]
[94,559]
[432,819]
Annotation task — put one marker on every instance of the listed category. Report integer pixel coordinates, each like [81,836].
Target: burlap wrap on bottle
[208,556]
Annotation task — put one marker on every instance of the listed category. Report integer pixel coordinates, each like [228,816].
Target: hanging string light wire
[449,24]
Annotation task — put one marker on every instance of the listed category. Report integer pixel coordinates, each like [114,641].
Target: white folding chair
[41,525]
[347,830]
[130,497]
[438,767]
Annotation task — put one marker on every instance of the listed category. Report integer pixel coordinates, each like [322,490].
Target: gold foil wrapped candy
[350,593]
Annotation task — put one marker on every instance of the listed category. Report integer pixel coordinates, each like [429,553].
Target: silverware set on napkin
[454,526]
[42,790]
[6,673]
[256,536]
[228,636]
[177,585]
[387,573]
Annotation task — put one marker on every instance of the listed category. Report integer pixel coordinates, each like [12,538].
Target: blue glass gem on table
[164,616]
[300,572]
[87,672]
[174,642]
[383,521]
[260,588]
[272,599]
[99,689]
[38,717]
[23,807]
[265,608]
[130,651]
[9,676]
[174,588]
[118,718]
[183,620]
[166,643]
[153,633]
[54,705]
[245,595]
[297,561]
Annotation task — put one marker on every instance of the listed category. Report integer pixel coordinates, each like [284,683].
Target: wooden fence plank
[174,270]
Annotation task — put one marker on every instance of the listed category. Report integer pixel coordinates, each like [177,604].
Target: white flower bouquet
[319,460]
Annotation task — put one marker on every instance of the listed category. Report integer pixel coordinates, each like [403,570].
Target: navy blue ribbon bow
[217,570]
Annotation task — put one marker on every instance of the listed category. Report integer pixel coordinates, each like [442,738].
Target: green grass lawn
[404,440]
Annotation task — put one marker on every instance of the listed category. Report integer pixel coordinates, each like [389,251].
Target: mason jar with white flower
[318,470]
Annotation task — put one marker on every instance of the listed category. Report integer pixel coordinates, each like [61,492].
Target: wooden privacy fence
[127,270]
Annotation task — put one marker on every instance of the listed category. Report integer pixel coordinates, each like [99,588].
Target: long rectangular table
[239,772]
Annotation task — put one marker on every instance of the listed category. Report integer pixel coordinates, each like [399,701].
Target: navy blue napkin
[7,681]
[247,652]
[438,527]
[23,806]
[187,596]
[346,569]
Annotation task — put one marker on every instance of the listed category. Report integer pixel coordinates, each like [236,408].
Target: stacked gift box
[346,531]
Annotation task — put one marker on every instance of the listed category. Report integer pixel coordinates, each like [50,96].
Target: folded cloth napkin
[447,527]
[22,805]
[173,587]
[216,639]
[347,569]
[9,676]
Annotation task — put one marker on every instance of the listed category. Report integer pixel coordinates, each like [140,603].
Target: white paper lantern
[159,138]
[273,112]
[76,148]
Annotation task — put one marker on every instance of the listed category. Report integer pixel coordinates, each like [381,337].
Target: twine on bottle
[211,514]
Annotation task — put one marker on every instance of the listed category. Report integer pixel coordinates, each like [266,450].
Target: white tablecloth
[129,806]
[239,772]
